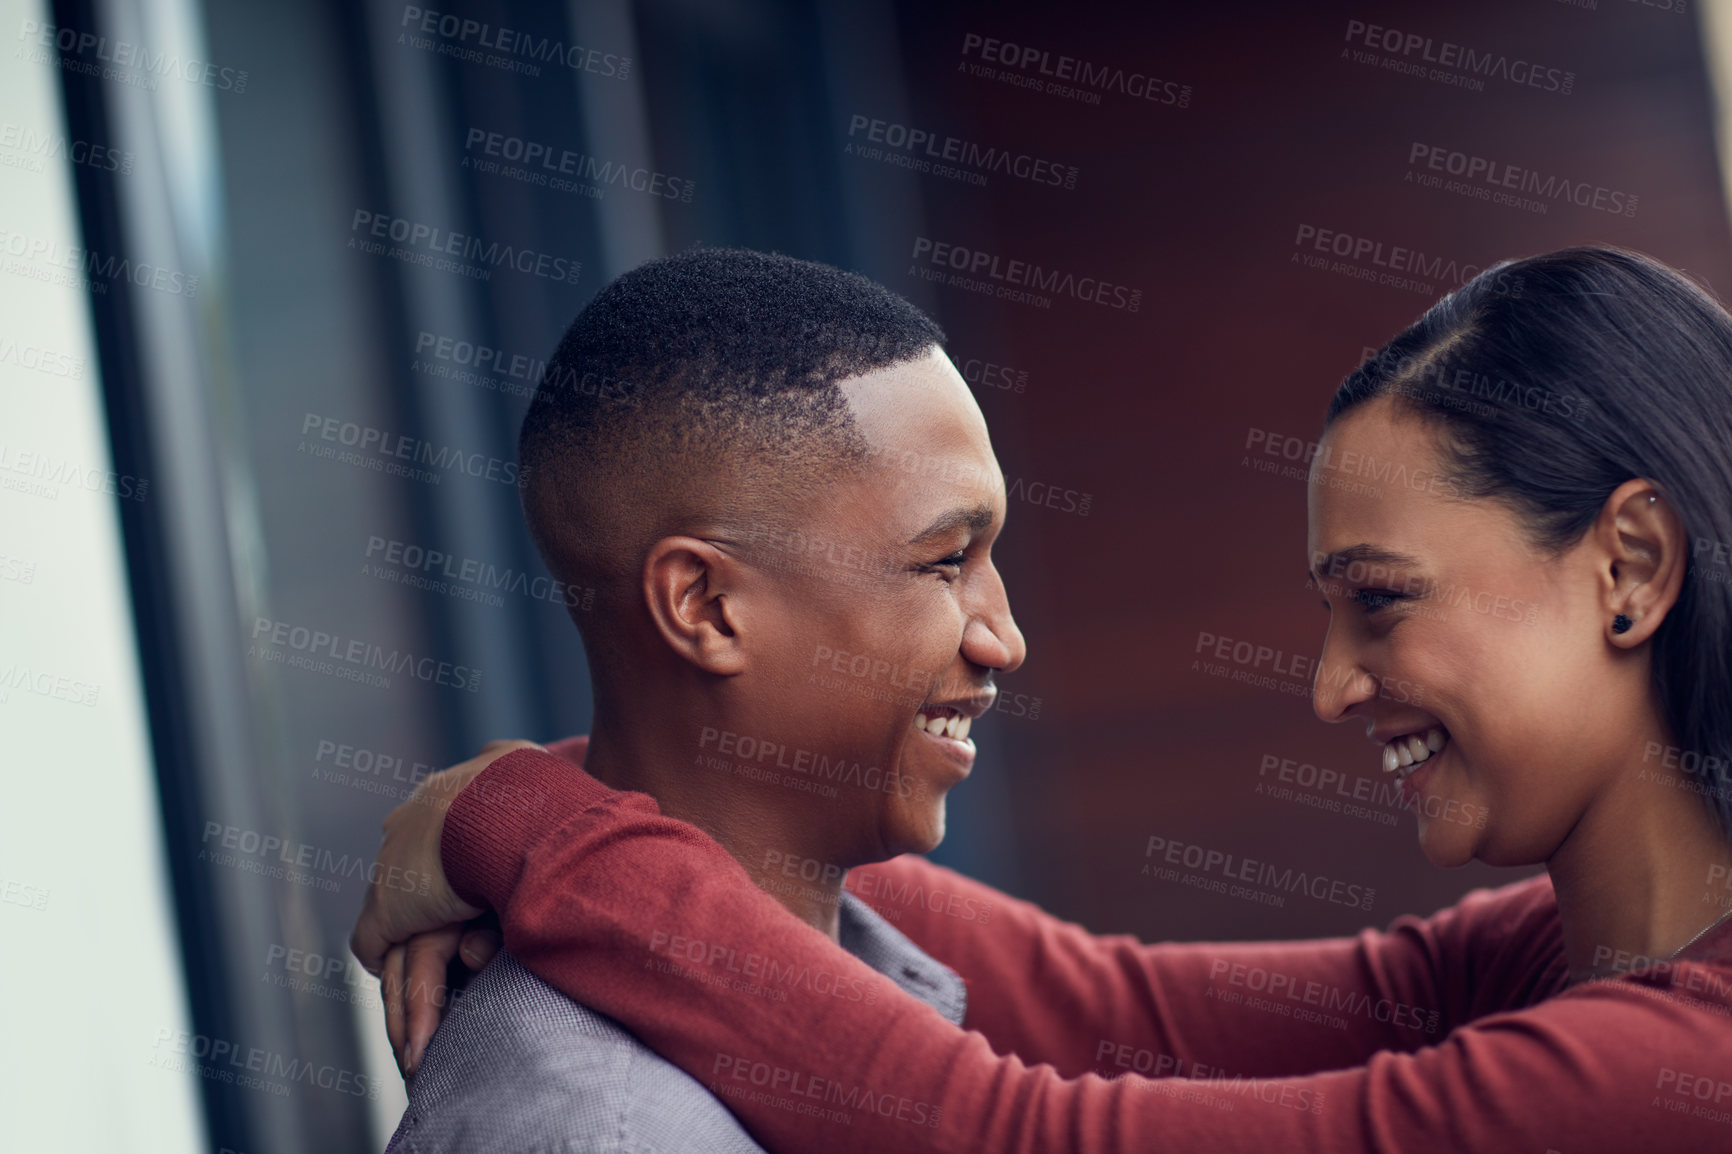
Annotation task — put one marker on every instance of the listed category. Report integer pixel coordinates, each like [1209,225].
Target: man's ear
[1648,550]
[691,589]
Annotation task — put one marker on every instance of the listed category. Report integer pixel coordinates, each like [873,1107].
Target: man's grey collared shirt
[519,1068]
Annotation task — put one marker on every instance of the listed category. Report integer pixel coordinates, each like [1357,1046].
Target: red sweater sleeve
[1111,1004]
[594,886]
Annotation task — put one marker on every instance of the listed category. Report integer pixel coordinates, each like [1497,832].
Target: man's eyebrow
[1364,554]
[975,517]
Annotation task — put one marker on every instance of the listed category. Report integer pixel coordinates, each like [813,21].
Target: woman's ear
[1648,550]
[691,589]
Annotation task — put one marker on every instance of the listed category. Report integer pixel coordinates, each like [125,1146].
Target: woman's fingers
[479,946]
[391,992]
[426,997]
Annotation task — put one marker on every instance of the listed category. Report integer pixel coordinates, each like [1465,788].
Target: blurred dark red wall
[1282,132]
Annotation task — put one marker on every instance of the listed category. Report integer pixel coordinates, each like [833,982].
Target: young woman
[1521,505]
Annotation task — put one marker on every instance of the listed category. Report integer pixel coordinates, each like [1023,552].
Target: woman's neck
[1636,879]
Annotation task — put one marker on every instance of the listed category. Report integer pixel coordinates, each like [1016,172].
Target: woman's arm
[1110,1004]
[1603,1068]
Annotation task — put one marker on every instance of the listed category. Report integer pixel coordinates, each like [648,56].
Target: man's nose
[992,638]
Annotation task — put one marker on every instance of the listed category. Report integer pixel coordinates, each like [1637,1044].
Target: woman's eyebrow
[1364,554]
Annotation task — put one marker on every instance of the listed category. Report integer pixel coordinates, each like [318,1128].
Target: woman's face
[1446,630]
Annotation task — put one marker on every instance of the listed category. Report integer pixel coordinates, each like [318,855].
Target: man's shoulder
[518,1066]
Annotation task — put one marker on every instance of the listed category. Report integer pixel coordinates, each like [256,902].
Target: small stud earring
[1620,624]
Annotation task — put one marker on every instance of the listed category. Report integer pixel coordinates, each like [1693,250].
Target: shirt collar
[865,934]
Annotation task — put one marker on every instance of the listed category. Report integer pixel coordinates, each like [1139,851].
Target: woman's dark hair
[1553,380]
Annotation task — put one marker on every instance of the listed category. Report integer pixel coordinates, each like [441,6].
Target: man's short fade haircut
[701,390]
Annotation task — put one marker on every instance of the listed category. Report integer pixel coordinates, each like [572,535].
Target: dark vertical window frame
[351,42]
[464,729]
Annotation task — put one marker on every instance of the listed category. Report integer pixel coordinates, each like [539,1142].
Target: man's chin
[919,831]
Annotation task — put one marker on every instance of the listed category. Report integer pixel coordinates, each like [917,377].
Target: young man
[785,498]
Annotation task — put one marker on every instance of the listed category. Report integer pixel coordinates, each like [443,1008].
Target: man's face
[891,619]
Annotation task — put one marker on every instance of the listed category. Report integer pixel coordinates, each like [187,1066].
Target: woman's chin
[1446,844]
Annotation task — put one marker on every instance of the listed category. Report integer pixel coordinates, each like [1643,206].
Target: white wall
[90,975]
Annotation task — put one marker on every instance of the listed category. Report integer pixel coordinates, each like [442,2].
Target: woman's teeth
[949,725]
[1403,753]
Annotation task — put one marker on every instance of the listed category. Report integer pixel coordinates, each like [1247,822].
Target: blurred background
[277,282]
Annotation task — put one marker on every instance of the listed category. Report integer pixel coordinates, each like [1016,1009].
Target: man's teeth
[944,725]
[1403,753]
